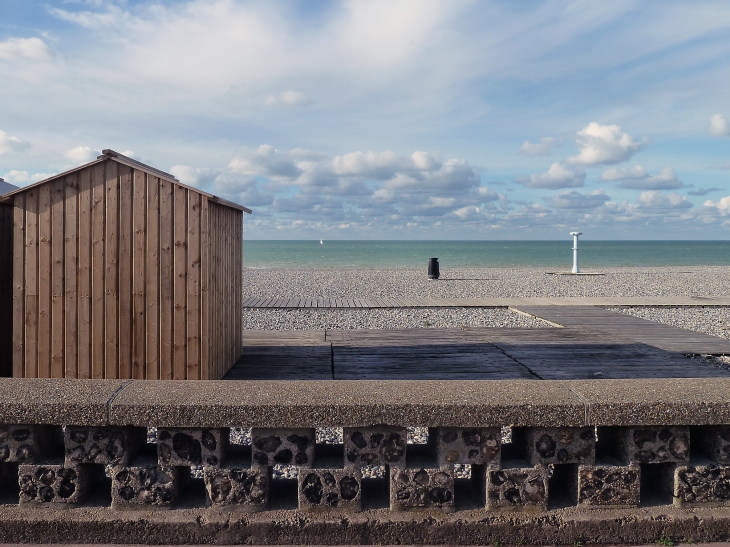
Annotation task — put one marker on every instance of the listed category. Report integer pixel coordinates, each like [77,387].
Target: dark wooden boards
[628,328]
[283,355]
[423,354]
[471,353]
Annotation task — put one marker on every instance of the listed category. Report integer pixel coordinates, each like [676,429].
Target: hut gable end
[109,276]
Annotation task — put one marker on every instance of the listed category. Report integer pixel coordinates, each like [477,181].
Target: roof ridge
[109,153]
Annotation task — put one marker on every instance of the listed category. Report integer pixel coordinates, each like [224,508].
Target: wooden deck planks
[471,353]
[628,328]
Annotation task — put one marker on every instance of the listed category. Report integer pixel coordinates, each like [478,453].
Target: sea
[483,254]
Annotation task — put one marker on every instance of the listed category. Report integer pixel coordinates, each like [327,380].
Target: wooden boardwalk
[516,302]
[624,328]
[587,343]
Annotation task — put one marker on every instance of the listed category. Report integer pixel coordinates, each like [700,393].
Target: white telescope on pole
[575,235]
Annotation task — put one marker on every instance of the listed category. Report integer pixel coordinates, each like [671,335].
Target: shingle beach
[476,283]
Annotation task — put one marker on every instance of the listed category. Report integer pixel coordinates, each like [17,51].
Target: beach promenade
[488,323]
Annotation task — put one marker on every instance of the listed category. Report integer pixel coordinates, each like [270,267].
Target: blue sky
[389,119]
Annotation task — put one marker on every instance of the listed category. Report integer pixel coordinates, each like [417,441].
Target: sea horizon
[260,253]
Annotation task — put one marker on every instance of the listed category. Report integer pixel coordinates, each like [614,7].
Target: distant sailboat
[321,242]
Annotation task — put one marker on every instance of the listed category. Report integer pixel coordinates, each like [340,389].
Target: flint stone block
[55,483]
[715,442]
[377,445]
[236,485]
[476,446]
[20,443]
[546,445]
[702,484]
[282,446]
[653,444]
[517,487]
[330,488]
[421,488]
[102,445]
[145,483]
[182,446]
[609,485]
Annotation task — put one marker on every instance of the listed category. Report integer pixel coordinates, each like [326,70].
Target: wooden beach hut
[120,271]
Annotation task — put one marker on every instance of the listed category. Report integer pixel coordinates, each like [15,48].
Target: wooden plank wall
[112,278]
[6,290]
[224,294]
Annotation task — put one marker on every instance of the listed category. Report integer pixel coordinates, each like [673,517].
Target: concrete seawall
[533,462]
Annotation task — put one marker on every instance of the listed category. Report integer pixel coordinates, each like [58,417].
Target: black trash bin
[433,268]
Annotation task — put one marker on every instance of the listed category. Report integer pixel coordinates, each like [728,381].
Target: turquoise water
[493,254]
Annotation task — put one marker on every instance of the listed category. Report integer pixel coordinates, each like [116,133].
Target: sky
[392,119]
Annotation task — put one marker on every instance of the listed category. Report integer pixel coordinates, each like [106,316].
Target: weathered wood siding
[112,278]
[224,292]
[6,290]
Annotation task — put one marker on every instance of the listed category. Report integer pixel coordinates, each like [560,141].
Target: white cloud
[23,177]
[287,98]
[466,212]
[637,172]
[195,176]
[653,201]
[82,154]
[373,184]
[543,148]
[604,145]
[558,176]
[265,161]
[576,200]
[637,178]
[32,49]
[722,206]
[719,126]
[113,17]
[10,144]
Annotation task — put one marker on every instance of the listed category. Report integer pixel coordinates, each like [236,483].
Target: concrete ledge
[347,403]
[56,401]
[529,403]
[477,527]
[689,401]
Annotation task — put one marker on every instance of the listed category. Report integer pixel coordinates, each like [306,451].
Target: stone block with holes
[707,483]
[476,446]
[715,442]
[102,445]
[546,445]
[283,446]
[21,443]
[146,483]
[330,489]
[376,445]
[54,482]
[181,446]
[235,484]
[609,485]
[415,488]
[650,444]
[517,487]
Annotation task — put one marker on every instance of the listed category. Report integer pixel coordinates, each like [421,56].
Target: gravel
[484,282]
[385,318]
[712,321]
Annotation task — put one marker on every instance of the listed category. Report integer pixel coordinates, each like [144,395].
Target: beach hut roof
[120,158]
[6,187]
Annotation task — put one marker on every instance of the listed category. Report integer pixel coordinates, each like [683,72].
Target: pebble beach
[476,283]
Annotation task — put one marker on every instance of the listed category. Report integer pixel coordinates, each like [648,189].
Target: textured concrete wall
[544,450]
